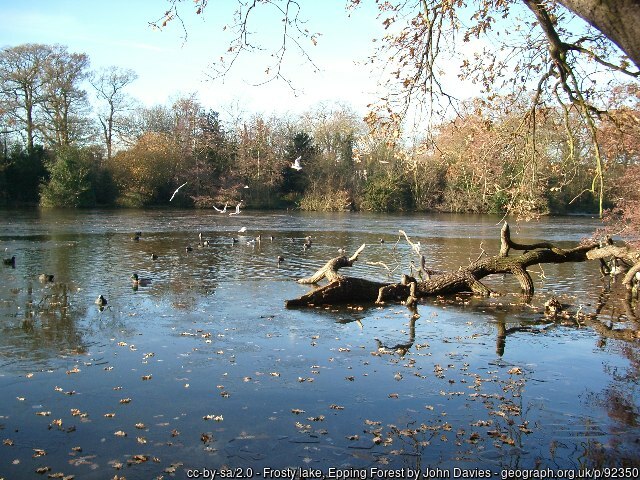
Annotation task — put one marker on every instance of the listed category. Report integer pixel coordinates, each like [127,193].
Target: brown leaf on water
[120,433]
[206,438]
[125,400]
[319,418]
[175,433]
[43,413]
[353,437]
[73,370]
[333,406]
[274,374]
[173,467]
[137,459]
[58,389]
[38,452]
[8,442]
[109,415]
[43,470]
[140,426]
[297,411]
[57,422]
[393,395]
[350,378]
[147,377]
[141,440]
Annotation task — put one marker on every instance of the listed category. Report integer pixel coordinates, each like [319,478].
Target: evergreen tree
[70,181]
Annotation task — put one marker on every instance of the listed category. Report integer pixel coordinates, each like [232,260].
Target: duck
[154,256]
[188,248]
[10,261]
[280,259]
[101,301]
[45,277]
[137,281]
[234,240]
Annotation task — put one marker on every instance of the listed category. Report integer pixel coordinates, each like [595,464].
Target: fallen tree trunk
[343,289]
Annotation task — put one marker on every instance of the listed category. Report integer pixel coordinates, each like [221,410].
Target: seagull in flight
[296,164]
[174,193]
[224,210]
[237,209]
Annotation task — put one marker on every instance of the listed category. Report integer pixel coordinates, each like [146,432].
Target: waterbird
[242,230]
[154,256]
[101,301]
[296,164]
[224,210]
[174,193]
[237,212]
[45,277]
[137,281]
[280,259]
[234,240]
[10,261]
[188,248]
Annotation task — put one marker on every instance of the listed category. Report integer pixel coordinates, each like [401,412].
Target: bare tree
[21,85]
[109,84]
[65,106]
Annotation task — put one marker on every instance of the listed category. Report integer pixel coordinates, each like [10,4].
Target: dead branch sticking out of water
[343,289]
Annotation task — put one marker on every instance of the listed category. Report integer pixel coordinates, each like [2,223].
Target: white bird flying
[224,210]
[296,164]
[174,193]
[242,230]
[237,209]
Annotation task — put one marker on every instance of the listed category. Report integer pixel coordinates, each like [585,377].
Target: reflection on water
[201,364]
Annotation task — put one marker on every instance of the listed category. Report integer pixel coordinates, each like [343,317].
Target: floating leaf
[217,418]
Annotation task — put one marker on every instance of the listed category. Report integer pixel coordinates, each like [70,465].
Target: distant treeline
[58,149]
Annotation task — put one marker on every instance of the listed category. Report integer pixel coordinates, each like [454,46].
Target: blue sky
[116,32]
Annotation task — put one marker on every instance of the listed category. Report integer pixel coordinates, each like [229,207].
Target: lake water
[203,367]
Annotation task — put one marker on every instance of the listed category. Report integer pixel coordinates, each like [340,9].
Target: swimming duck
[137,281]
[101,301]
[45,277]
[280,259]
[188,248]
[154,256]
[10,261]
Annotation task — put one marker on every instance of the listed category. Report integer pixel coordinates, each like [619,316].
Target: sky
[117,33]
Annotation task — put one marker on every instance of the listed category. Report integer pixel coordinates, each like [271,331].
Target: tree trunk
[343,289]
[619,20]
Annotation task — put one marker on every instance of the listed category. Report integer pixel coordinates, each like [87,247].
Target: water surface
[204,367]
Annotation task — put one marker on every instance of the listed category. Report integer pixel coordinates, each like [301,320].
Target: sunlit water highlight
[204,367]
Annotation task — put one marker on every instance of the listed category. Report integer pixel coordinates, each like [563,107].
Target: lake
[201,368]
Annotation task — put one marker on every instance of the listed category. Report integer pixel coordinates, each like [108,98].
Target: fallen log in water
[343,289]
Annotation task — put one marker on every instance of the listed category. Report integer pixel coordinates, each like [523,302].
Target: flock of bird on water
[101,301]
